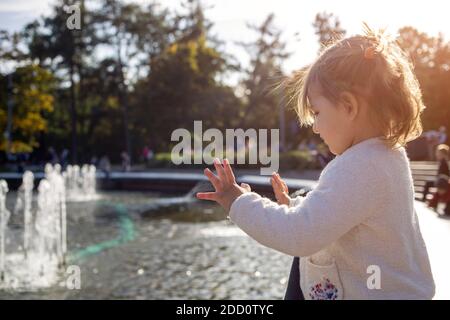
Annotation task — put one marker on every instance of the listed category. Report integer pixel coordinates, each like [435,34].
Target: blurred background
[136,70]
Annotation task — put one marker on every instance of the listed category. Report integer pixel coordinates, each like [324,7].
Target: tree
[134,34]
[266,56]
[431,59]
[32,99]
[183,84]
[328,28]
[55,46]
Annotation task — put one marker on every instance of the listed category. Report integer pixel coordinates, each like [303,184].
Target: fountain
[80,184]
[4,217]
[38,261]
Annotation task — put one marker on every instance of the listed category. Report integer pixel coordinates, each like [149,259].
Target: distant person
[442,135]
[442,155]
[442,195]
[125,161]
[144,153]
[64,157]
[433,138]
[150,155]
[147,154]
[52,156]
[105,165]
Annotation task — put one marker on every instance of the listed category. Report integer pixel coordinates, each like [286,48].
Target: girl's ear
[350,104]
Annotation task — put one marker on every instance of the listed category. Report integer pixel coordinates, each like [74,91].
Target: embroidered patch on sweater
[324,290]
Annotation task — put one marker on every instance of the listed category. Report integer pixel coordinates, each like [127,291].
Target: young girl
[357,233]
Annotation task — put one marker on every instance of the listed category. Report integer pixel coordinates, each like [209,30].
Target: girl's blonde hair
[371,66]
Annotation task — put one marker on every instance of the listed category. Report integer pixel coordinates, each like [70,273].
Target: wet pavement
[136,246]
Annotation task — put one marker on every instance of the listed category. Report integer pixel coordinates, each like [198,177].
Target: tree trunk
[73,116]
[124,103]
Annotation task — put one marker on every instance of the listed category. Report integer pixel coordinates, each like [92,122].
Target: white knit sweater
[357,232]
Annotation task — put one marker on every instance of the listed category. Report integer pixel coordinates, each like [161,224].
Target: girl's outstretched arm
[343,199]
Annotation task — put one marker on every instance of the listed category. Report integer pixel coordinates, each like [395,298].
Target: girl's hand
[225,185]
[280,189]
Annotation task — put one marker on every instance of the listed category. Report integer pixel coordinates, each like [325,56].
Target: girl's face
[331,122]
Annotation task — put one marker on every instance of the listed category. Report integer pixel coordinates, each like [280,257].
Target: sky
[293,17]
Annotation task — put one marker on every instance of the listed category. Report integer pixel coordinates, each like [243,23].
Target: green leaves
[32,100]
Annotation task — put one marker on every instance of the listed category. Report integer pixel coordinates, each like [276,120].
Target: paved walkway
[436,233]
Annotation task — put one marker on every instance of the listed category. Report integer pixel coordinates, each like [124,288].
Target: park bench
[423,171]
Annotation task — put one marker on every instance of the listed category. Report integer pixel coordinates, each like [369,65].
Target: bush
[161,160]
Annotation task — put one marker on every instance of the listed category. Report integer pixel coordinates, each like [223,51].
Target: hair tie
[369,53]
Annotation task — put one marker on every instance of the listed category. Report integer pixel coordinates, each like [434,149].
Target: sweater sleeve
[343,198]
[296,201]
